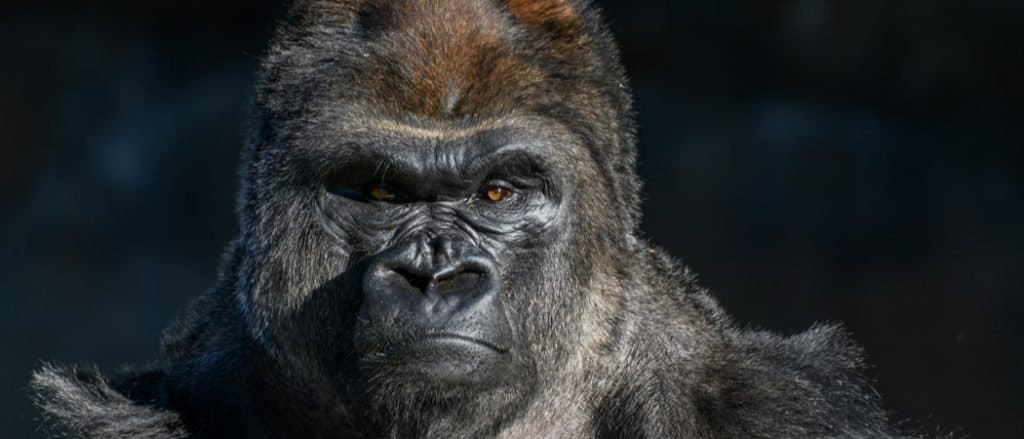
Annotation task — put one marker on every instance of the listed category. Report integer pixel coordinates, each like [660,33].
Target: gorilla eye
[380,193]
[497,193]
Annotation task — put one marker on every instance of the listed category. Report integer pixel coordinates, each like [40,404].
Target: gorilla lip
[463,339]
[439,337]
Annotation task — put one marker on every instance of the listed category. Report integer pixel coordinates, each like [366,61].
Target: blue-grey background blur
[813,160]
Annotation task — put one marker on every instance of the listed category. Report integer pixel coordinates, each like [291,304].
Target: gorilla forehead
[337,135]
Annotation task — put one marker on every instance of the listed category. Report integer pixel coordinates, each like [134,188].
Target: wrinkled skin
[439,216]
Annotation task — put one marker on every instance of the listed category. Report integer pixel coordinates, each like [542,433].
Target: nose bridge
[432,251]
[432,239]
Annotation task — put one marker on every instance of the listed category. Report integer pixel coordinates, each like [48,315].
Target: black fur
[612,337]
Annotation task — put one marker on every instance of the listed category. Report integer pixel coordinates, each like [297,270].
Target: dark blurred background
[814,160]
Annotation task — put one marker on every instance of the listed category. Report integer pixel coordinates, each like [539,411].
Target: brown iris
[381,193]
[497,193]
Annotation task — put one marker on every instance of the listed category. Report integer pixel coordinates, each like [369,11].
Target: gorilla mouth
[442,357]
[447,338]
[440,340]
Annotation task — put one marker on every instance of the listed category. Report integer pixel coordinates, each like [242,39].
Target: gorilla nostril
[457,281]
[418,281]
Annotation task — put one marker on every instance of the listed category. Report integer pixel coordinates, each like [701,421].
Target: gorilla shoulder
[685,360]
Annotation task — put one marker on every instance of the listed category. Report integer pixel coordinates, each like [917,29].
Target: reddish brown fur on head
[446,58]
[546,15]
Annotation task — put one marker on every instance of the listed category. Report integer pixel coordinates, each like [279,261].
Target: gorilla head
[436,194]
[438,215]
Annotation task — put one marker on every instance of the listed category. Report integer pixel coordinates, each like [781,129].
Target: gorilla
[439,238]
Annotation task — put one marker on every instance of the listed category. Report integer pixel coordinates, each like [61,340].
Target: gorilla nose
[460,279]
[442,270]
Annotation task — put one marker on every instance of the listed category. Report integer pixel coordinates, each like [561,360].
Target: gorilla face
[447,224]
[430,262]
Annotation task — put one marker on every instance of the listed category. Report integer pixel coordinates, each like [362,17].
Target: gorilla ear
[558,17]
